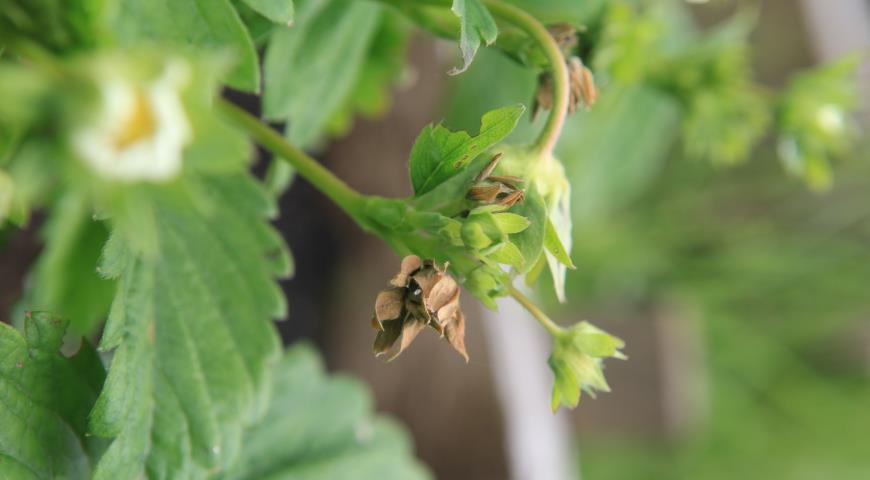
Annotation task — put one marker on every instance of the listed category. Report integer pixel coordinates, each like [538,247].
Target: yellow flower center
[139,124]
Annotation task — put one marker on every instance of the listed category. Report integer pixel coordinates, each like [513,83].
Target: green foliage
[65,278]
[46,399]
[191,370]
[278,11]
[812,120]
[322,428]
[383,66]
[108,121]
[576,362]
[58,25]
[323,55]
[197,25]
[477,26]
[439,154]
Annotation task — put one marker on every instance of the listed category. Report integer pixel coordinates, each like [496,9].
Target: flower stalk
[549,325]
[348,199]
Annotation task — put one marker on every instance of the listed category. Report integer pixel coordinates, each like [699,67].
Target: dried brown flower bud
[497,189]
[565,35]
[422,293]
[490,166]
[581,84]
[512,199]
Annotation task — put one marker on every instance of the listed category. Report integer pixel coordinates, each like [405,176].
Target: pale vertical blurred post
[538,442]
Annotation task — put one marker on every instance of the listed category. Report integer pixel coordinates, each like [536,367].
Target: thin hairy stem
[536,312]
[421,12]
[546,141]
[333,187]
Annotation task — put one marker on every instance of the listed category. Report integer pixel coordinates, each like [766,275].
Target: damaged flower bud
[502,190]
[581,84]
[565,35]
[421,294]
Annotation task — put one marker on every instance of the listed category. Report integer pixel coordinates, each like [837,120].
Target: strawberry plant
[158,247]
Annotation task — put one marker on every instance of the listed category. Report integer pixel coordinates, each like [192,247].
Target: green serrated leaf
[279,177]
[65,277]
[46,399]
[476,26]
[193,343]
[211,25]
[311,68]
[439,154]
[278,11]
[383,67]
[58,26]
[320,427]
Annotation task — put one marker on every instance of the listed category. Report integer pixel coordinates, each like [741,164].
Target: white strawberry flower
[140,130]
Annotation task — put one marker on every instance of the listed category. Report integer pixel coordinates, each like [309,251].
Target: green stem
[333,187]
[546,141]
[542,318]
[421,12]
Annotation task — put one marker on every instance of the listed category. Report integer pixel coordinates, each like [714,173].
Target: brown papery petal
[590,93]
[389,304]
[509,180]
[417,310]
[385,339]
[426,279]
[455,333]
[376,324]
[400,280]
[512,198]
[442,292]
[487,170]
[411,264]
[410,329]
[446,313]
[484,193]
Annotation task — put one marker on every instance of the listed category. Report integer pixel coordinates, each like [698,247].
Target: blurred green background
[752,292]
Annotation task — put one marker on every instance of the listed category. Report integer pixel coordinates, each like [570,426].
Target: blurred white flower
[831,119]
[140,130]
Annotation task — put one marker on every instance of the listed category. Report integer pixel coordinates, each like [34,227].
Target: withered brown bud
[565,35]
[583,89]
[421,294]
[512,199]
[581,85]
[496,189]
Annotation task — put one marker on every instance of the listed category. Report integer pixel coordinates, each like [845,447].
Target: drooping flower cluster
[580,80]
[421,294]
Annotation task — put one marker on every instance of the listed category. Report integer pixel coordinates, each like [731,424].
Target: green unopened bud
[511,222]
[484,286]
[547,175]
[480,229]
[474,236]
[577,362]
[506,253]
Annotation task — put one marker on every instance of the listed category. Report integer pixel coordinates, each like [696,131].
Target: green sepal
[553,245]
